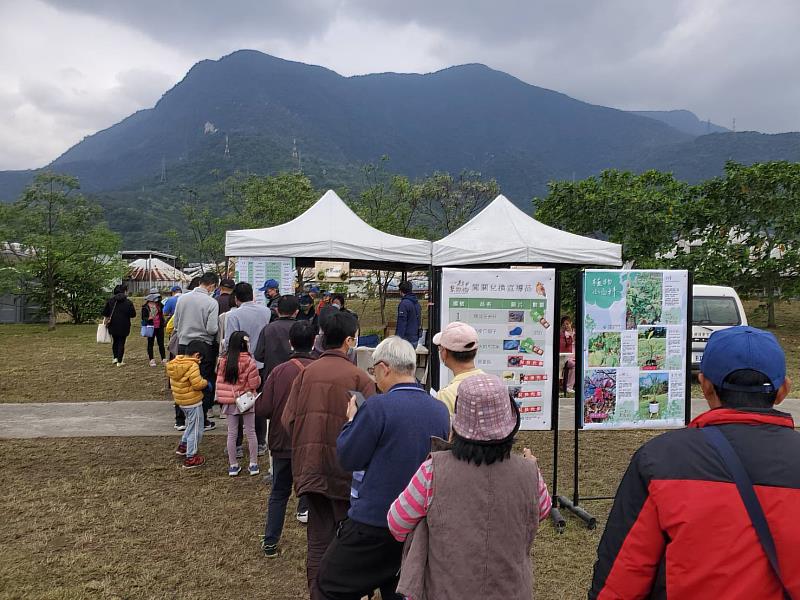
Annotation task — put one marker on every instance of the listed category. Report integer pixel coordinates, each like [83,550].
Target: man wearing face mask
[314,414]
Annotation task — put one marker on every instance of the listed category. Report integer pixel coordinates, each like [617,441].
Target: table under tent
[330,231]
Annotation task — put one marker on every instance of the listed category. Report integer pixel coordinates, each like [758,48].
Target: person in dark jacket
[307,311]
[272,294]
[274,393]
[153,315]
[679,527]
[225,298]
[383,443]
[314,415]
[117,314]
[409,315]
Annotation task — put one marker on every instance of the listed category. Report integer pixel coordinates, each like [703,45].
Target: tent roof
[157,270]
[502,233]
[329,230]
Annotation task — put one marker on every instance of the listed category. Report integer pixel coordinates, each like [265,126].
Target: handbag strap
[723,447]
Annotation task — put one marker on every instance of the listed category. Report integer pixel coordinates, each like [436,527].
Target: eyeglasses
[371,370]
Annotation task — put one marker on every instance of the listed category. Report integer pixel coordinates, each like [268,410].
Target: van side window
[715,311]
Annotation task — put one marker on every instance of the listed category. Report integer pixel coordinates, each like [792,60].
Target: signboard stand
[574,505]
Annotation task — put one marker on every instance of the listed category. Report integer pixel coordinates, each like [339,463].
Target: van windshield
[714,310]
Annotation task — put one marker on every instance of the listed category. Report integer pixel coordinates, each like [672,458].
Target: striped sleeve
[412,504]
[545,501]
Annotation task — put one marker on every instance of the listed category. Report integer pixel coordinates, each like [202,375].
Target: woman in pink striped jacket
[471,512]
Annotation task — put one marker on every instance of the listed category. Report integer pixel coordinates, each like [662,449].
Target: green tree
[60,249]
[641,212]
[448,202]
[744,230]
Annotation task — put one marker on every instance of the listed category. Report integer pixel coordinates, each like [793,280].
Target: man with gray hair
[383,443]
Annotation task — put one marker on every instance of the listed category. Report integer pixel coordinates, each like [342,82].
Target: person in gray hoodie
[197,319]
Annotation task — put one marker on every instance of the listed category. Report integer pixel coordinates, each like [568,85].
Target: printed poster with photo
[634,349]
[255,270]
[513,313]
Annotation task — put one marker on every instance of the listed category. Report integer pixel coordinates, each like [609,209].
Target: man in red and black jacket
[678,527]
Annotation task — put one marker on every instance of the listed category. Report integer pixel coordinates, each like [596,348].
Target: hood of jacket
[411,298]
[120,297]
[178,368]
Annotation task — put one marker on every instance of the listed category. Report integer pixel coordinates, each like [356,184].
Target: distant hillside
[682,120]
[275,115]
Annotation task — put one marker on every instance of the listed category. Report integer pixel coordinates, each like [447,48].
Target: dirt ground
[118,518]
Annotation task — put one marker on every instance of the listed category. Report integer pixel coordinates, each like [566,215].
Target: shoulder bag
[730,459]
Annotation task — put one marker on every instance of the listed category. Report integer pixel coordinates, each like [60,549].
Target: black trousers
[118,346]
[360,559]
[324,514]
[208,362]
[158,335]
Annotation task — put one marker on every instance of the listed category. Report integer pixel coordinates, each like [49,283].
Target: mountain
[273,114]
[682,120]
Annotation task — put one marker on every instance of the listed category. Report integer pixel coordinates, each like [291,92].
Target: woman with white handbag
[117,315]
[237,382]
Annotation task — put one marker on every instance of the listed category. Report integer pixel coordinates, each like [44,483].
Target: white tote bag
[103,337]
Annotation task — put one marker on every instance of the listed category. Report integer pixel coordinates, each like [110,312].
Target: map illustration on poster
[634,349]
[255,270]
[513,313]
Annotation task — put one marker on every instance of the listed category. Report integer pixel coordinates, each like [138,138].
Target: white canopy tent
[502,234]
[328,230]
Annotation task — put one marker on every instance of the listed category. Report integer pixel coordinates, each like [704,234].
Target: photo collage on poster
[255,270]
[512,311]
[634,349]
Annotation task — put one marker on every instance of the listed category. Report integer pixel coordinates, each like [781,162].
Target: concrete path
[146,418]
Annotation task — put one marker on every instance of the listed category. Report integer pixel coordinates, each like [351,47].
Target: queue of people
[421,496]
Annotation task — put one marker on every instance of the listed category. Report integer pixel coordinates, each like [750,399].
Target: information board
[635,345]
[513,313]
[255,270]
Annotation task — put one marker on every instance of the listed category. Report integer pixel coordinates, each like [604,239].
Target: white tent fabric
[155,270]
[328,230]
[502,233]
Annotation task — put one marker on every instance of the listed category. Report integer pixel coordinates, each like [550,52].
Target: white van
[714,307]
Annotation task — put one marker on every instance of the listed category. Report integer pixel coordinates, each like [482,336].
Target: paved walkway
[145,418]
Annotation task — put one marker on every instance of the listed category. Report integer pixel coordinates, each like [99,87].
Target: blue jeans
[279,498]
[194,429]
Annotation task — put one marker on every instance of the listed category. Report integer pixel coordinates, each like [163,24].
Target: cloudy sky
[71,67]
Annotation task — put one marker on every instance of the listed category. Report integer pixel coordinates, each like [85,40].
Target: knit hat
[152,298]
[484,410]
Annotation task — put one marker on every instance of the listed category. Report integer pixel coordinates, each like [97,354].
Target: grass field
[118,518]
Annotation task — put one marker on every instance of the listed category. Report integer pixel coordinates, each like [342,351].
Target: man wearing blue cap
[271,289]
[710,511]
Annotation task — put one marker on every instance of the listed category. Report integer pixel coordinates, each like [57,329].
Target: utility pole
[227,152]
[163,169]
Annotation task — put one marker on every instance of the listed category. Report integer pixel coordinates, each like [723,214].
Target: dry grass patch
[118,518]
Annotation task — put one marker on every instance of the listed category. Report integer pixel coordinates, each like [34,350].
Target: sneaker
[209,426]
[239,452]
[114,361]
[153,362]
[181,450]
[120,363]
[164,361]
[253,470]
[262,449]
[194,462]
[234,470]
[302,516]
[270,550]
[179,427]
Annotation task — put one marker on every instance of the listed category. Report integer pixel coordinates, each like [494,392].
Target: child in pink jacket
[237,374]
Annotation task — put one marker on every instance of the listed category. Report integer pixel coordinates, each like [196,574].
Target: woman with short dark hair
[117,315]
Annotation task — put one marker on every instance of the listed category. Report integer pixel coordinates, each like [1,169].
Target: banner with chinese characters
[513,313]
[635,346]
[255,270]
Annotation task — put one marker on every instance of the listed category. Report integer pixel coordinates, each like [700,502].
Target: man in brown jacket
[314,414]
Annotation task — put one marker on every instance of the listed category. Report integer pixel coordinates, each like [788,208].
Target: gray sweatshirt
[196,317]
[251,318]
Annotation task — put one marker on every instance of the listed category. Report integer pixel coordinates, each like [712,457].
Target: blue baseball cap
[314,288]
[176,288]
[269,283]
[743,347]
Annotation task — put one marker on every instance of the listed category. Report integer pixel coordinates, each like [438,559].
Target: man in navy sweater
[383,443]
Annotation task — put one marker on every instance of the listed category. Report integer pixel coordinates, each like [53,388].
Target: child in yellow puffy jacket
[187,390]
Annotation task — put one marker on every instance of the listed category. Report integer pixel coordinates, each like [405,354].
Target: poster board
[634,342]
[255,270]
[513,313]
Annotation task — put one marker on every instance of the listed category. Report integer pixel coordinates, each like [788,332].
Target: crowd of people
[419,495]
